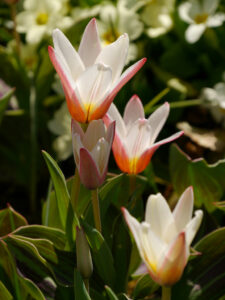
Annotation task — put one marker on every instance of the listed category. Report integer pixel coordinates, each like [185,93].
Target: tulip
[164,238]
[91,151]
[135,136]
[91,77]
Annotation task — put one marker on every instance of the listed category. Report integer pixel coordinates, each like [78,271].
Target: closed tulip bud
[164,238]
[84,260]
[91,151]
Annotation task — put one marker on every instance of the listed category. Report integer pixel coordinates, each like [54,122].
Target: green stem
[86,283]
[132,183]
[166,293]
[15,33]
[155,100]
[33,140]
[180,104]
[96,209]
[75,190]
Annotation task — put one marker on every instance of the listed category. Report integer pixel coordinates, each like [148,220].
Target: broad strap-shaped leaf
[111,295]
[4,103]
[145,286]
[4,293]
[59,182]
[32,289]
[101,254]
[205,179]
[79,287]
[10,220]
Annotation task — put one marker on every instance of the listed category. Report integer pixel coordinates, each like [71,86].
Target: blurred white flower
[39,18]
[157,15]
[61,125]
[214,99]
[200,15]
[114,20]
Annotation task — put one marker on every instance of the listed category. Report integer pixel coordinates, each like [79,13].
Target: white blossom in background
[60,125]
[214,99]
[40,17]
[116,19]
[157,15]
[200,15]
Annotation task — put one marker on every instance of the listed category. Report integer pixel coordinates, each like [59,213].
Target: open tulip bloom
[164,238]
[91,77]
[91,151]
[135,136]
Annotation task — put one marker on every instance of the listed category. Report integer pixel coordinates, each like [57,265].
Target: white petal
[193,226]
[216,20]
[133,111]
[35,34]
[194,32]
[67,53]
[184,208]
[138,138]
[93,84]
[159,216]
[114,114]
[135,228]
[157,119]
[169,139]
[94,132]
[183,10]
[77,145]
[100,154]
[115,56]
[210,6]
[90,45]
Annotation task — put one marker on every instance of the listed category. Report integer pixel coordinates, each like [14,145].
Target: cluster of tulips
[91,78]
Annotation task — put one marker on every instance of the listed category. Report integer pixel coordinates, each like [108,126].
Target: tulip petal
[193,226]
[159,216]
[76,129]
[67,54]
[120,154]
[114,114]
[114,55]
[183,211]
[134,227]
[89,173]
[95,131]
[77,145]
[100,154]
[90,45]
[157,120]
[111,133]
[167,140]
[93,85]
[133,111]
[173,264]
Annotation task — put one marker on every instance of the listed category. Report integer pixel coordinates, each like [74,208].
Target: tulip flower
[91,151]
[164,238]
[91,77]
[135,136]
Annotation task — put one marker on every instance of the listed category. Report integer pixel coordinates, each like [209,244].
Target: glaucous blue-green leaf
[10,220]
[205,274]
[206,179]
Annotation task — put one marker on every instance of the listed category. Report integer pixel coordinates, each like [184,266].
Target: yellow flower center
[42,19]
[133,165]
[201,18]
[110,36]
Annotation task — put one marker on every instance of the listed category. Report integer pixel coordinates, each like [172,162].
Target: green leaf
[101,255]
[205,179]
[4,103]
[4,293]
[10,220]
[31,289]
[56,236]
[145,286]
[205,274]
[59,182]
[110,293]
[79,287]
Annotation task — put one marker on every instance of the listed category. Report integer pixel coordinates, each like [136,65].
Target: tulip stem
[166,293]
[96,209]
[75,190]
